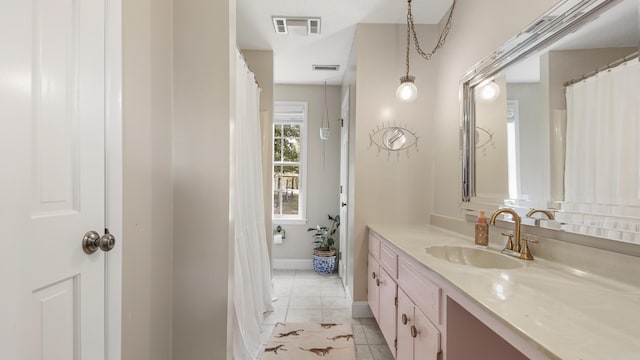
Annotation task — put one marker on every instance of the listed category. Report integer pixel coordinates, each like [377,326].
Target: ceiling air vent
[326,67]
[314,26]
[296,25]
[280,25]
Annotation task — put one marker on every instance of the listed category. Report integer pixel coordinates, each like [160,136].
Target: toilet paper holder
[280,230]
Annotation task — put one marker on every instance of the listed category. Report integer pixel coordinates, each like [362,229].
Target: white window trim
[301,218]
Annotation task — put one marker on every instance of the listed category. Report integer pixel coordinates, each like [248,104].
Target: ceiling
[295,54]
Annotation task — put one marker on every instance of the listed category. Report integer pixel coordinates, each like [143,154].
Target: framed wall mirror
[562,102]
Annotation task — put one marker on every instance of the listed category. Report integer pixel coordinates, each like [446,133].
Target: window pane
[286,190]
[292,131]
[291,150]
[290,202]
[277,184]
[277,131]
[290,191]
[291,170]
[277,150]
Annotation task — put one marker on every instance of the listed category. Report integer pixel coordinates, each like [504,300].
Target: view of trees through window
[286,169]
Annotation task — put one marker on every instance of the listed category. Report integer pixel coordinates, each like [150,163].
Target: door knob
[343,204]
[92,241]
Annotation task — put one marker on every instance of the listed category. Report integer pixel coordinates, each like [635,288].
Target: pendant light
[407,91]
[490,91]
[325,131]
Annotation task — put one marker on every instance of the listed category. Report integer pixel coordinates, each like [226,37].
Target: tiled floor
[304,296]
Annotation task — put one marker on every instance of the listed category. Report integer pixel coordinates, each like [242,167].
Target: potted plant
[324,254]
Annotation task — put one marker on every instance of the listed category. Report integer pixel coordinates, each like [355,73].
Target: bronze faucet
[548,213]
[516,219]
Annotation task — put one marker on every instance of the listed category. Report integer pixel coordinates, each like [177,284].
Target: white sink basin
[473,257]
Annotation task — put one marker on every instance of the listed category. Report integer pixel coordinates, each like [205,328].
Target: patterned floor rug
[311,341]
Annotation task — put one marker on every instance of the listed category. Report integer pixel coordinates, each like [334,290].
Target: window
[289,161]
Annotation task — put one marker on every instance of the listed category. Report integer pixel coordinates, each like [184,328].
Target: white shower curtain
[603,128]
[602,168]
[252,269]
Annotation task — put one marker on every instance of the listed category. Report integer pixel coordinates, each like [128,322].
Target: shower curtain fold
[603,125]
[602,168]
[252,269]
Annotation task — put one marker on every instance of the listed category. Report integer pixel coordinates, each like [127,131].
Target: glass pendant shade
[407,91]
[490,92]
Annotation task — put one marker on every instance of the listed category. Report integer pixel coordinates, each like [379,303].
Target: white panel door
[52,184]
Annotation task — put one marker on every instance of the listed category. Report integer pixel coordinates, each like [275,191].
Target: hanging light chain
[326,107]
[441,40]
[409,21]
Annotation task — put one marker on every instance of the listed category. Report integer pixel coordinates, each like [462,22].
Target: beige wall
[479,27]
[322,182]
[397,189]
[204,69]
[260,62]
[147,196]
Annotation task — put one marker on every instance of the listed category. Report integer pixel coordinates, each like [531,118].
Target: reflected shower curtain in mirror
[252,270]
[602,171]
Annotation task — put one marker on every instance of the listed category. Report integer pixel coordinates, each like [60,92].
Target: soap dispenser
[482,230]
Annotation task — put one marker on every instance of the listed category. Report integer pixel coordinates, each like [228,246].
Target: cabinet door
[373,290]
[427,339]
[387,317]
[405,321]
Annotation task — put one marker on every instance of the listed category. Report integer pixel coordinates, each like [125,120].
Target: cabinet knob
[405,319]
[377,282]
[414,331]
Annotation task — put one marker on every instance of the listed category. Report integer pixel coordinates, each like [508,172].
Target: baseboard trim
[361,309]
[292,264]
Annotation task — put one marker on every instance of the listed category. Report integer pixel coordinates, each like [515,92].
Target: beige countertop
[567,313]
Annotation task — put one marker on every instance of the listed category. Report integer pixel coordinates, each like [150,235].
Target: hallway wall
[147,179]
[176,170]
[204,113]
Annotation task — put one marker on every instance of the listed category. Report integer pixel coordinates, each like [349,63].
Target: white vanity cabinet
[382,291]
[418,338]
[404,303]
[423,317]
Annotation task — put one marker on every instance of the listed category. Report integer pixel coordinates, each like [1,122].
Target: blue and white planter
[324,264]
